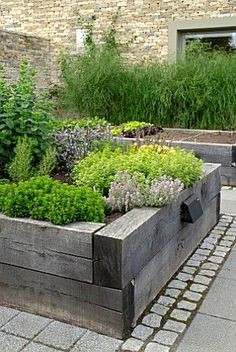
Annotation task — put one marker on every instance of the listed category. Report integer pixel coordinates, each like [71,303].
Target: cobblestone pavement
[159,330]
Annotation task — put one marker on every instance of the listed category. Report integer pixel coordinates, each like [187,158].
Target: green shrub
[48,162]
[97,170]
[198,92]
[42,198]
[23,113]
[86,122]
[20,168]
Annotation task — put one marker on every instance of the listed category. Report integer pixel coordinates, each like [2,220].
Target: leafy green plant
[98,170]
[23,112]
[48,162]
[42,198]
[20,168]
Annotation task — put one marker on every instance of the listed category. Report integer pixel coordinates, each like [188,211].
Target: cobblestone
[192,296]
[193,263]
[155,347]
[207,246]
[225,243]
[204,252]
[210,266]
[210,273]
[220,254]
[132,344]
[217,260]
[142,332]
[189,270]
[165,337]
[211,240]
[202,280]
[177,284]
[184,277]
[159,309]
[199,258]
[186,305]
[152,320]
[174,326]
[166,301]
[198,288]
[172,292]
[181,315]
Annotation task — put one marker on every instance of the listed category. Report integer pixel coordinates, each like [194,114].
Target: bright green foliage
[98,169]
[23,113]
[42,198]
[85,122]
[20,168]
[196,92]
[129,126]
[48,162]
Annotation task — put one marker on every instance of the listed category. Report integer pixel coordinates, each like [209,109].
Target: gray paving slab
[7,314]
[229,269]
[228,201]
[35,347]
[60,335]
[220,300]
[209,334]
[26,325]
[10,343]
[93,342]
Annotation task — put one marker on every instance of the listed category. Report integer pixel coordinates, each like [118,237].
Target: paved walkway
[190,315]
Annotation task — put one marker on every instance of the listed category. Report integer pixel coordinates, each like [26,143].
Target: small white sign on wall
[80,38]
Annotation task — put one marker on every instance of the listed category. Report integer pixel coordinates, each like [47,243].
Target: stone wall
[144,22]
[15,47]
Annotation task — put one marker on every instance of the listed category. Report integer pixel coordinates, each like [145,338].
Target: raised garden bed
[210,146]
[102,277]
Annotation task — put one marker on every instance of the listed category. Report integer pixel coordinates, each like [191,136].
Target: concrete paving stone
[229,268]
[10,343]
[203,252]
[132,344]
[165,337]
[142,332]
[60,335]
[229,238]
[208,334]
[211,240]
[159,309]
[198,288]
[220,254]
[225,243]
[181,315]
[177,284]
[193,263]
[220,300]
[217,260]
[172,292]
[93,342]
[36,347]
[198,258]
[216,235]
[210,266]
[207,246]
[192,296]
[166,301]
[7,314]
[152,320]
[174,326]
[26,325]
[189,270]
[222,249]
[184,277]
[202,280]
[210,273]
[186,305]
[155,347]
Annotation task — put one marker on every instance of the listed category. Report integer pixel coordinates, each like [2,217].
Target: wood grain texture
[163,266]
[137,237]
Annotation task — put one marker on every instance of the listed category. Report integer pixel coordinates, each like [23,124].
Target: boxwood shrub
[42,198]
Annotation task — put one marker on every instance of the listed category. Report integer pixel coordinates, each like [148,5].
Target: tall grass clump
[198,91]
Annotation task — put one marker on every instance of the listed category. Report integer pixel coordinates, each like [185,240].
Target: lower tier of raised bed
[101,276]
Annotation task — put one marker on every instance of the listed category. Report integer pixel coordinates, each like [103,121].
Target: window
[220,33]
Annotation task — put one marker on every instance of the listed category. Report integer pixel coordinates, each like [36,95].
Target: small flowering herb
[162,191]
[125,192]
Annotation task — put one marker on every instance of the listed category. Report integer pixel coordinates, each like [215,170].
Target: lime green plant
[48,162]
[20,168]
[129,126]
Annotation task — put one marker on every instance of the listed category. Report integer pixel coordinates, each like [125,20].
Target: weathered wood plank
[223,154]
[162,267]
[139,235]
[75,239]
[67,308]
[228,176]
[49,284]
